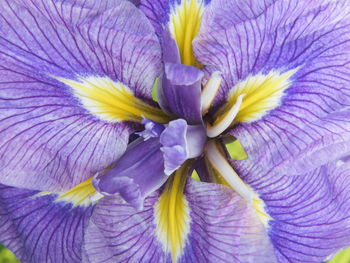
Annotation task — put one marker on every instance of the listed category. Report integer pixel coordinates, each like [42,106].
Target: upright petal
[180,93]
[45,227]
[221,228]
[52,132]
[181,18]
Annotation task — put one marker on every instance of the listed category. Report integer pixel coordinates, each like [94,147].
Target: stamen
[224,121]
[219,162]
[210,90]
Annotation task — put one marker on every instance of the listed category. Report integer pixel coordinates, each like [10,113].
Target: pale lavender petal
[138,173]
[181,95]
[47,140]
[174,145]
[38,229]
[222,229]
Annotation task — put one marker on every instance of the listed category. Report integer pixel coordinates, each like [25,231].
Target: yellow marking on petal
[172,215]
[263,92]
[259,205]
[112,101]
[185,19]
[83,194]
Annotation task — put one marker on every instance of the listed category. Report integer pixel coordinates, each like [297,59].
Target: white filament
[222,125]
[219,162]
[210,90]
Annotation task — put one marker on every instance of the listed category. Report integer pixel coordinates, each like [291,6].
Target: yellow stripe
[259,207]
[172,214]
[185,19]
[263,92]
[112,101]
[83,194]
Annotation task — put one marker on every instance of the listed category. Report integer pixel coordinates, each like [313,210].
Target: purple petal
[311,213]
[169,47]
[47,140]
[139,172]
[181,95]
[37,229]
[222,229]
[294,152]
[311,37]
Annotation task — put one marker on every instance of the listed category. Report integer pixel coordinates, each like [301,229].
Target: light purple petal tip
[181,142]
[174,147]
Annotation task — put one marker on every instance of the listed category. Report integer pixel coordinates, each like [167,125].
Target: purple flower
[94,170]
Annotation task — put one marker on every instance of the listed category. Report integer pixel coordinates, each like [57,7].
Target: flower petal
[310,213]
[40,227]
[291,153]
[180,94]
[181,18]
[181,142]
[311,38]
[48,140]
[138,173]
[222,228]
[308,37]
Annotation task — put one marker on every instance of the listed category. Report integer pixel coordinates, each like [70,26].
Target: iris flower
[174,131]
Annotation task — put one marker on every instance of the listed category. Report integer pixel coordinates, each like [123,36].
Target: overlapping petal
[222,228]
[305,195]
[48,139]
[310,39]
[37,228]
